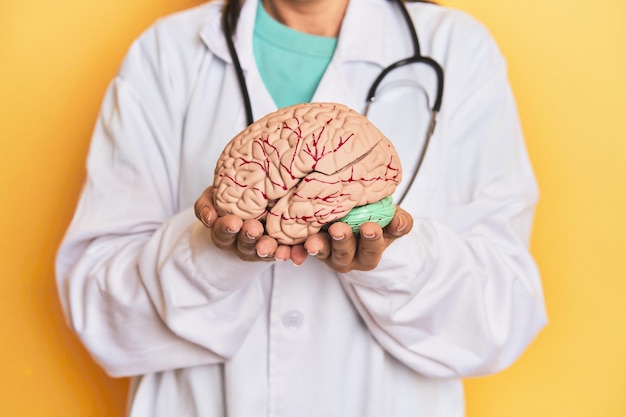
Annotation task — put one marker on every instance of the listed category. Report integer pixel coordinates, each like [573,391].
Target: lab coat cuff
[220,269]
[402,267]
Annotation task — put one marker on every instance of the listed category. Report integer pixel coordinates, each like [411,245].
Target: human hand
[344,251]
[245,238]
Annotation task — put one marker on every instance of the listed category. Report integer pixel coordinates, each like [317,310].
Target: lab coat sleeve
[140,280]
[461,295]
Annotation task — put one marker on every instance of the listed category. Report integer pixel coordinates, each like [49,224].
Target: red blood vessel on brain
[303,167]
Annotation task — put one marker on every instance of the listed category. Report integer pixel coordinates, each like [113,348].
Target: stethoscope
[416,58]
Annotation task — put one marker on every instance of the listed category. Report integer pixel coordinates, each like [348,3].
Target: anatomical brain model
[303,167]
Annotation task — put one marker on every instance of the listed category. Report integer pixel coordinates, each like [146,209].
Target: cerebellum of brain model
[303,167]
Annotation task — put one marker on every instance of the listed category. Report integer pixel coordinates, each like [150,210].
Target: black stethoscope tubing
[245,95]
[416,58]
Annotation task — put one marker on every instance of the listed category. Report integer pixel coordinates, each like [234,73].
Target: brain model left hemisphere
[303,167]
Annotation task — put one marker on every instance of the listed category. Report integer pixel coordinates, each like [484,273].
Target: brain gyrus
[303,167]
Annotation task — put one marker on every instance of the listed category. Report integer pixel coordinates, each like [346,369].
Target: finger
[204,209]
[401,224]
[343,244]
[250,232]
[225,231]
[283,252]
[266,247]
[318,245]
[298,254]
[371,246]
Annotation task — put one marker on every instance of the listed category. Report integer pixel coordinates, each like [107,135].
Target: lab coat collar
[363,33]
[362,37]
[213,36]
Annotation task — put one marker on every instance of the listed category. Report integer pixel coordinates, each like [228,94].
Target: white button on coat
[293,319]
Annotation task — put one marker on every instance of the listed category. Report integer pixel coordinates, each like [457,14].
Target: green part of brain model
[380,212]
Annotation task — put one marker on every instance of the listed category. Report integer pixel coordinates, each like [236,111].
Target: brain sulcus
[304,166]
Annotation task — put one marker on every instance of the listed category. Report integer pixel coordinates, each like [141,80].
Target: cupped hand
[339,247]
[245,238]
[344,251]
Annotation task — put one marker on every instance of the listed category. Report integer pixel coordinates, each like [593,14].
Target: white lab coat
[205,334]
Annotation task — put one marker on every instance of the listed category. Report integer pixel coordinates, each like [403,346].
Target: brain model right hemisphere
[303,167]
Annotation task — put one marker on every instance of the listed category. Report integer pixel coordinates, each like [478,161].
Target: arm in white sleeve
[139,279]
[461,295]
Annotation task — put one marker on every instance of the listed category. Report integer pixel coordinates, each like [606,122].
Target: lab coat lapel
[362,39]
[260,98]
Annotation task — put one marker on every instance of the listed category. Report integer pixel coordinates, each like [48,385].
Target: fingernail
[403,223]
[279,260]
[313,253]
[261,254]
[205,215]
[229,230]
[251,237]
[339,237]
[368,234]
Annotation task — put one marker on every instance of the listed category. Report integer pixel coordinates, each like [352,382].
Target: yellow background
[568,68]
